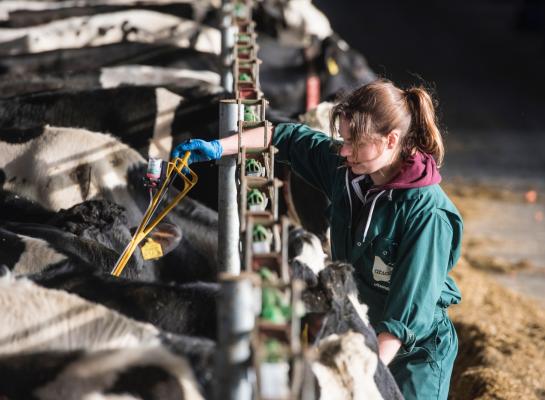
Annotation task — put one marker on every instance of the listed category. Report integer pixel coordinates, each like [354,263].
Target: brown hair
[380,107]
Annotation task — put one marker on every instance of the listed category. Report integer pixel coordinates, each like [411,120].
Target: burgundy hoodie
[418,170]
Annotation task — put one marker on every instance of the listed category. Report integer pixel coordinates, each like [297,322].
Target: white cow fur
[87,377]
[161,143]
[135,75]
[304,18]
[38,255]
[48,164]
[312,255]
[318,117]
[345,368]
[38,319]
[148,26]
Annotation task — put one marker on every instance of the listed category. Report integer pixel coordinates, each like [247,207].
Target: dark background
[486,61]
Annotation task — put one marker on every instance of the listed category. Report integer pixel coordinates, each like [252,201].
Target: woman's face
[367,156]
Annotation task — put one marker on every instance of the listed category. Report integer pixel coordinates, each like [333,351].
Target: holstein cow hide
[61,167]
[87,237]
[146,118]
[38,319]
[291,22]
[334,309]
[44,321]
[122,374]
[199,82]
[182,309]
[101,29]
[187,309]
[21,13]
[66,62]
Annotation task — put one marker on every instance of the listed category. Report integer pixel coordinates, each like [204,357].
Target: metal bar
[228,220]
[236,320]
[228,39]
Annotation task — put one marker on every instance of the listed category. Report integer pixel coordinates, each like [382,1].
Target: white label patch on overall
[381,271]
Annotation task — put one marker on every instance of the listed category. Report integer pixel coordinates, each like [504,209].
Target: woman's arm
[250,138]
[388,345]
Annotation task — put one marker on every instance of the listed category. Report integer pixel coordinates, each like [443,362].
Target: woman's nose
[345,150]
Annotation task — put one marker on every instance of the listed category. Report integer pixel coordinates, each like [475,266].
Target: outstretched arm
[202,150]
[250,138]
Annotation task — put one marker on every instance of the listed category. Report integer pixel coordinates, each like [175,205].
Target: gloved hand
[201,150]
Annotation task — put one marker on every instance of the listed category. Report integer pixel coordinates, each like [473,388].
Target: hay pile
[501,333]
[502,341]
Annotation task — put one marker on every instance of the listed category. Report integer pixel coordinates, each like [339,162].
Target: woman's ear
[392,139]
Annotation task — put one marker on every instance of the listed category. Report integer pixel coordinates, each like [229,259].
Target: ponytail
[423,134]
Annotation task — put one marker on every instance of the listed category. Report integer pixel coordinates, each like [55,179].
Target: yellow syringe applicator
[175,166]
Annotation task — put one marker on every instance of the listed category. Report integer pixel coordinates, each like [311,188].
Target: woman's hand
[201,150]
[388,345]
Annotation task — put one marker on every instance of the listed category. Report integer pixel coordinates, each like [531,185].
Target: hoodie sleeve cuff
[399,330]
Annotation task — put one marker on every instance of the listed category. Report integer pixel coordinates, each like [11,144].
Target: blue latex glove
[201,150]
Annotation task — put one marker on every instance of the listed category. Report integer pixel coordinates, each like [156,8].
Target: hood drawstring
[368,223]
[349,196]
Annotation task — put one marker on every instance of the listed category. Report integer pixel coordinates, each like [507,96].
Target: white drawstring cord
[371,215]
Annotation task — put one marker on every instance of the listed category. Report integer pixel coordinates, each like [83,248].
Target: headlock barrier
[260,352]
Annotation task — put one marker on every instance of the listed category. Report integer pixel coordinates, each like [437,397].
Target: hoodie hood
[418,171]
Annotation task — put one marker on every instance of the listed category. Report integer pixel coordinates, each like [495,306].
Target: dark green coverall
[412,242]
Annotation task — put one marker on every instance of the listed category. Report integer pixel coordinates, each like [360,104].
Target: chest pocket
[384,260]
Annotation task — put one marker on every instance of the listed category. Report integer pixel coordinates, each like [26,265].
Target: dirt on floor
[501,332]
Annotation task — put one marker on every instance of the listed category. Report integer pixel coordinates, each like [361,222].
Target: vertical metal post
[228,39]
[236,320]
[228,223]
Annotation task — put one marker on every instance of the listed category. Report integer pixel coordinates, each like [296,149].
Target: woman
[389,218]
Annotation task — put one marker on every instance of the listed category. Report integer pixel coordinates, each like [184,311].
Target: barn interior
[232,292]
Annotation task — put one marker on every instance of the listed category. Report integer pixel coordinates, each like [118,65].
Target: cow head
[306,256]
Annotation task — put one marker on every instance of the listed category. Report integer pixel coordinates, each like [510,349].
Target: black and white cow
[88,237]
[152,373]
[146,118]
[64,63]
[187,309]
[182,309]
[38,321]
[60,167]
[335,315]
[285,69]
[200,82]
[22,13]
[100,29]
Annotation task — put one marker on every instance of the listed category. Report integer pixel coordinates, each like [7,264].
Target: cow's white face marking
[381,271]
[312,255]
[161,144]
[37,256]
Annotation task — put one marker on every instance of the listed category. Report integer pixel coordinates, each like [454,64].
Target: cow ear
[167,235]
